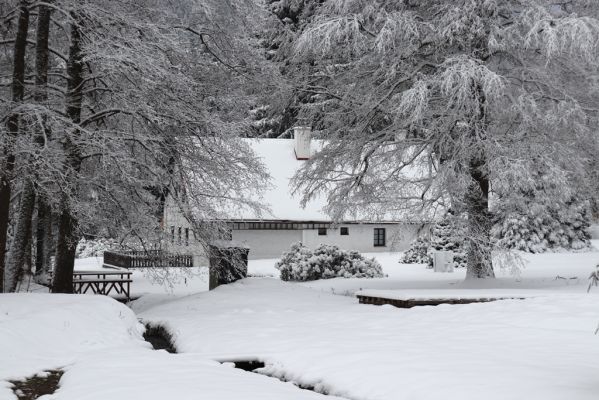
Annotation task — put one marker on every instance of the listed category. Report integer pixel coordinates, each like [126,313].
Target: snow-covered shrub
[94,247]
[326,261]
[418,253]
[544,226]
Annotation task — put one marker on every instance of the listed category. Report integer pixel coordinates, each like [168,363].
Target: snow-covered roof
[279,159]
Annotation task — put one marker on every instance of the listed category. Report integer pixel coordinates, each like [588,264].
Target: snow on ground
[565,272]
[163,283]
[150,286]
[43,331]
[158,375]
[508,349]
[542,347]
[97,342]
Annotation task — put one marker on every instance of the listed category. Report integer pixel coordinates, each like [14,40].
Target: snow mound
[543,347]
[48,331]
[157,375]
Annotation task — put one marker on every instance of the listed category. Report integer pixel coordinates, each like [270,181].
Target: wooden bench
[103,282]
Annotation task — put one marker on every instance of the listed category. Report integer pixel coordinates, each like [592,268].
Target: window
[186,236]
[379,237]
[179,237]
[322,231]
[344,231]
[172,234]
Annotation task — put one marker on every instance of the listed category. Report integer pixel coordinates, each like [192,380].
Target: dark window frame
[322,231]
[344,231]
[380,237]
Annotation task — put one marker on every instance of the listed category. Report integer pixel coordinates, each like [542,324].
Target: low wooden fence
[147,259]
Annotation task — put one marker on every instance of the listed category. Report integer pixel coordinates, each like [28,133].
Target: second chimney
[301,137]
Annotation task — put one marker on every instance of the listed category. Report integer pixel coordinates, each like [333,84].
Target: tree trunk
[17,92]
[43,237]
[21,238]
[65,252]
[41,55]
[16,264]
[67,232]
[478,256]
[44,216]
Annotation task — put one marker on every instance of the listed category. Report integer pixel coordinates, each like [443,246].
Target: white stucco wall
[173,217]
[266,243]
[361,237]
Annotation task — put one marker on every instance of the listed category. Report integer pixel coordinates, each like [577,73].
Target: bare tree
[23,231]
[8,160]
[145,104]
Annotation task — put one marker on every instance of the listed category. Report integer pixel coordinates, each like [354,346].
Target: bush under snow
[94,247]
[418,253]
[325,262]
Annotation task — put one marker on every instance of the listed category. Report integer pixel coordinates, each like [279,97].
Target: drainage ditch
[38,385]
[257,367]
[160,338]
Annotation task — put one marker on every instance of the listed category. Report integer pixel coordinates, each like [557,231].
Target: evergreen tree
[541,215]
[545,226]
[418,253]
[446,235]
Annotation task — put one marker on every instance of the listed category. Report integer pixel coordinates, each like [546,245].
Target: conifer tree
[448,235]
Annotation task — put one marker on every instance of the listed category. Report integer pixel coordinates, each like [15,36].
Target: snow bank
[542,347]
[98,342]
[157,375]
[43,331]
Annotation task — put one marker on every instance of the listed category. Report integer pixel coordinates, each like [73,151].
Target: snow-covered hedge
[94,247]
[303,264]
[418,253]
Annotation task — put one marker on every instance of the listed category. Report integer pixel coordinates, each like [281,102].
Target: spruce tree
[545,225]
[446,235]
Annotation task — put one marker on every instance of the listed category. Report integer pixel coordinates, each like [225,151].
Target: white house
[269,235]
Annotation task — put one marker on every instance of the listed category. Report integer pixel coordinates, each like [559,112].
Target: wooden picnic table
[103,282]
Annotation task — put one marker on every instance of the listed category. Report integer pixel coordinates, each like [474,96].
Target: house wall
[264,243]
[173,217]
[361,237]
[270,243]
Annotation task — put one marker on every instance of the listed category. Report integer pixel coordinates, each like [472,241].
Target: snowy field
[316,334]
